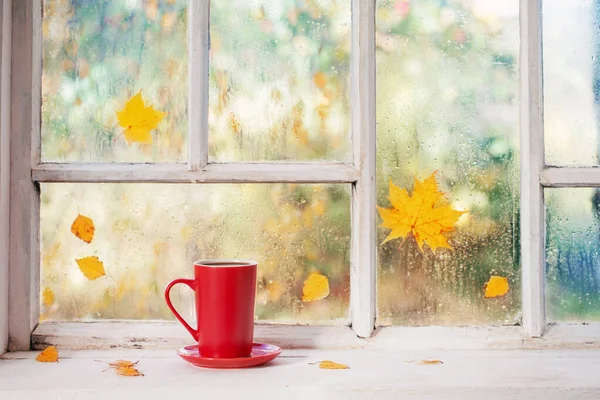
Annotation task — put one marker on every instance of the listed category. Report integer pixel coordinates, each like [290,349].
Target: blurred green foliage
[279,89]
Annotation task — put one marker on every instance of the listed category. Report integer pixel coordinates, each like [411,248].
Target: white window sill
[465,375]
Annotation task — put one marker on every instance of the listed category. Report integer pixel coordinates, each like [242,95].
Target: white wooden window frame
[22,126]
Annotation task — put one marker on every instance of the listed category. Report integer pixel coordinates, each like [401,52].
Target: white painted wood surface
[363,263]
[198,46]
[211,173]
[571,177]
[165,334]
[5,48]
[24,194]
[465,375]
[532,164]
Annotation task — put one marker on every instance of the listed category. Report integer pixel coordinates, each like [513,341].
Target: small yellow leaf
[123,367]
[128,371]
[426,362]
[83,227]
[49,354]
[316,287]
[138,120]
[47,297]
[320,79]
[497,286]
[91,267]
[326,364]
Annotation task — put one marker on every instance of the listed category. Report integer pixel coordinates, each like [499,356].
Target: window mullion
[198,47]
[532,165]
[363,261]
[24,254]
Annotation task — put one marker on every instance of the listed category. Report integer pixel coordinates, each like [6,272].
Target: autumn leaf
[49,354]
[83,227]
[91,267]
[316,287]
[326,364]
[497,286]
[425,214]
[138,120]
[426,362]
[47,297]
[123,367]
[128,371]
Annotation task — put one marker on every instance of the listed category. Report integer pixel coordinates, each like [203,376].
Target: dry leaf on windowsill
[49,354]
[123,367]
[426,362]
[327,364]
[127,371]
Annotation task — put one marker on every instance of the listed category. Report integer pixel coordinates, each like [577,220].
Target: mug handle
[192,284]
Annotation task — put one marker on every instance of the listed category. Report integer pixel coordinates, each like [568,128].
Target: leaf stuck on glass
[91,267]
[425,214]
[497,286]
[316,287]
[138,120]
[83,227]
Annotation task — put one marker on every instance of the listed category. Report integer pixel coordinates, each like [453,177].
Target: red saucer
[261,354]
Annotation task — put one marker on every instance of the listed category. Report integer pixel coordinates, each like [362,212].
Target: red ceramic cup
[225,292]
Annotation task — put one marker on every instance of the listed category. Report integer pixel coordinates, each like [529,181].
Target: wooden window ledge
[465,375]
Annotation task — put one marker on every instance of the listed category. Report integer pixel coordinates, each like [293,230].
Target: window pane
[96,56]
[571,81]
[447,86]
[573,255]
[148,234]
[279,80]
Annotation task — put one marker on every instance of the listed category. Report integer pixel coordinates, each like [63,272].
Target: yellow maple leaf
[47,297]
[49,354]
[497,286]
[138,120]
[91,267]
[83,227]
[327,364]
[316,287]
[425,214]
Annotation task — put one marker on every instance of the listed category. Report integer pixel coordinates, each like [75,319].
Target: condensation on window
[279,80]
[573,255]
[447,91]
[571,66]
[149,234]
[96,56]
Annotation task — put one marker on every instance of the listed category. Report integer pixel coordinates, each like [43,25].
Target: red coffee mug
[225,292]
